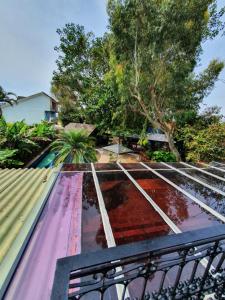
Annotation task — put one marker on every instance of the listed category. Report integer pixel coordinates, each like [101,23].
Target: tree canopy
[143,69]
[156,46]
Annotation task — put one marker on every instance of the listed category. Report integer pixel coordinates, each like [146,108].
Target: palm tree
[7,97]
[74,145]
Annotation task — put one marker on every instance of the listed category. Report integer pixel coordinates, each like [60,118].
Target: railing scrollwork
[190,265]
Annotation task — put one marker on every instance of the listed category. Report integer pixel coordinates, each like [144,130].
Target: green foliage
[16,136]
[143,142]
[78,81]
[206,144]
[7,159]
[76,146]
[82,81]
[164,156]
[42,132]
[156,46]
[18,141]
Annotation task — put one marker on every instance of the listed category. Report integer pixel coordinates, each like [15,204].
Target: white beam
[196,179]
[216,168]
[200,203]
[107,227]
[203,171]
[169,222]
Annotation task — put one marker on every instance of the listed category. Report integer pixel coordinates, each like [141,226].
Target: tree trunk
[172,146]
[0,112]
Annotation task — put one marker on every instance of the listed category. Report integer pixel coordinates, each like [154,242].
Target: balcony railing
[183,266]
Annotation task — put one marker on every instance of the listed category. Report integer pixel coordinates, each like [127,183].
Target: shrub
[207,144]
[7,158]
[164,156]
[74,145]
[42,132]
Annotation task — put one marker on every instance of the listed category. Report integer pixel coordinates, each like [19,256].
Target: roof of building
[118,149]
[22,194]
[157,137]
[22,98]
[80,126]
[95,206]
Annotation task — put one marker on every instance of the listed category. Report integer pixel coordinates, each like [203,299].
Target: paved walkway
[105,156]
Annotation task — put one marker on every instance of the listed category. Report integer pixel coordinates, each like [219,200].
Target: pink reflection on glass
[57,235]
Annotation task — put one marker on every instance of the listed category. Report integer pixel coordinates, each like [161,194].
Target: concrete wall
[31,110]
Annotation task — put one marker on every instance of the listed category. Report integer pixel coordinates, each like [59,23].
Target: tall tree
[81,65]
[156,47]
[7,97]
[82,81]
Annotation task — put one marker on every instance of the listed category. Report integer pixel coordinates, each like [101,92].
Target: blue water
[47,161]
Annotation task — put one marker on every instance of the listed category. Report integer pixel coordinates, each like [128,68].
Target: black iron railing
[183,266]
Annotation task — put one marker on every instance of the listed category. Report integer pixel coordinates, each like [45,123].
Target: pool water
[47,161]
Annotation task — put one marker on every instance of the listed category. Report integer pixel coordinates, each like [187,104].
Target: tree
[203,137]
[81,66]
[82,81]
[7,97]
[74,145]
[205,144]
[156,47]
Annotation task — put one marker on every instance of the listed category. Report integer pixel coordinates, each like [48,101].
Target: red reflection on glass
[131,216]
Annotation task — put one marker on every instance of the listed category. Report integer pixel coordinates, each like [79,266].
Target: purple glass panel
[93,236]
[131,216]
[106,166]
[186,214]
[56,235]
[206,195]
[76,167]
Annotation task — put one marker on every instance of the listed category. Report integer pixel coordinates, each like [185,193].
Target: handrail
[93,272]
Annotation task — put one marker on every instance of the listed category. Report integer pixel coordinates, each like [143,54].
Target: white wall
[31,110]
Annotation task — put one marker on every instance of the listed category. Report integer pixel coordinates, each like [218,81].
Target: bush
[207,144]
[20,142]
[164,156]
[7,158]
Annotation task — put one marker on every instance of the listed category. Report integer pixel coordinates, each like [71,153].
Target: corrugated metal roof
[22,194]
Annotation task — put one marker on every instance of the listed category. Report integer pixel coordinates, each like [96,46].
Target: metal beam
[105,218]
[216,168]
[169,222]
[106,224]
[203,171]
[223,165]
[195,179]
[200,203]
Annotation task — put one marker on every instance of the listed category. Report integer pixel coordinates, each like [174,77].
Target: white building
[32,109]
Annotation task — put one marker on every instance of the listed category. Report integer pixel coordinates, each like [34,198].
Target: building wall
[31,110]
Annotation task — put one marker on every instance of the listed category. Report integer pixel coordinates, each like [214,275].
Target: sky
[28,37]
